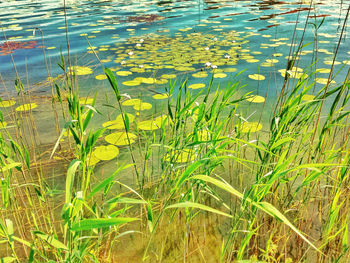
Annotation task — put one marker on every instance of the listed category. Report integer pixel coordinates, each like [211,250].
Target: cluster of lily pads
[120,138]
[22,108]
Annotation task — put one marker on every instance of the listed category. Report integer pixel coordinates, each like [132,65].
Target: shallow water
[161,36]
[148,43]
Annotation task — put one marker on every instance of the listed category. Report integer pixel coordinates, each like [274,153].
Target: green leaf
[22,241]
[66,126]
[51,240]
[189,170]
[10,166]
[150,217]
[107,181]
[126,122]
[70,179]
[264,206]
[88,224]
[126,200]
[113,81]
[280,142]
[7,259]
[199,206]
[9,227]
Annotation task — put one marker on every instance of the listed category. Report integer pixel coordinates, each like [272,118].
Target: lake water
[148,43]
[152,38]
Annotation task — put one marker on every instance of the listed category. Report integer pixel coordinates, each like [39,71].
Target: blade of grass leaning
[88,224]
[70,179]
[199,206]
[51,240]
[264,206]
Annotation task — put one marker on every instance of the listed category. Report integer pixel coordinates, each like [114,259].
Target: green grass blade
[88,224]
[51,240]
[199,206]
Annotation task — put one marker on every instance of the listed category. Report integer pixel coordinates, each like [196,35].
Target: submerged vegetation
[207,171]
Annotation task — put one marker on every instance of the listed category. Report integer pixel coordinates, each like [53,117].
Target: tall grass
[198,187]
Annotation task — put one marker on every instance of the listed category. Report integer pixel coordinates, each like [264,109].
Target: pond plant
[207,172]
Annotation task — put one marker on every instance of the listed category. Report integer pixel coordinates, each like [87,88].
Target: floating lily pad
[196,86]
[308,97]
[250,127]
[86,100]
[180,156]
[7,103]
[271,60]
[323,70]
[27,107]
[220,75]
[168,76]
[267,64]
[80,70]
[256,77]
[252,60]
[330,62]
[324,81]
[120,138]
[3,124]
[203,135]
[101,77]
[160,96]
[201,74]
[149,80]
[230,70]
[106,153]
[123,73]
[256,99]
[118,123]
[131,102]
[142,106]
[131,83]
[92,160]
[294,73]
[155,124]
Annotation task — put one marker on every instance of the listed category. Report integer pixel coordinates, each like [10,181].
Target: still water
[156,39]
[149,44]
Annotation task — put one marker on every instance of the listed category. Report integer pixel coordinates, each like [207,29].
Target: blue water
[116,28]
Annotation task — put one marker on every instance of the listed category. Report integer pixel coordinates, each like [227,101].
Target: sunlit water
[148,43]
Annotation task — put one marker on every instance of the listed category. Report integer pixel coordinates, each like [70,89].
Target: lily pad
[106,153]
[220,75]
[324,81]
[180,156]
[256,99]
[101,77]
[123,73]
[92,160]
[120,138]
[308,97]
[86,100]
[201,74]
[27,107]
[3,124]
[118,123]
[160,96]
[256,77]
[196,86]
[155,124]
[80,70]
[131,83]
[250,127]
[168,76]
[131,102]
[143,106]
[7,103]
